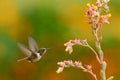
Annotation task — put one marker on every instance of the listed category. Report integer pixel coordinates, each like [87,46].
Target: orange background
[52,23]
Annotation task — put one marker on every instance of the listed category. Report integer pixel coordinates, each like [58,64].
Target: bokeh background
[52,23]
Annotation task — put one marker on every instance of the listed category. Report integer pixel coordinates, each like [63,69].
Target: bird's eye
[41,51]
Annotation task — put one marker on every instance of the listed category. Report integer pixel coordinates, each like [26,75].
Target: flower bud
[60,69]
[62,64]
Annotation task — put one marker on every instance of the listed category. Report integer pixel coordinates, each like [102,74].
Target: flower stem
[97,57]
[101,54]
[94,75]
[90,72]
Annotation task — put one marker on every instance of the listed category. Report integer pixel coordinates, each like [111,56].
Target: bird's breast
[38,57]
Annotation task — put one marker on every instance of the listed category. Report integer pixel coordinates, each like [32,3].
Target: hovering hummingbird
[33,53]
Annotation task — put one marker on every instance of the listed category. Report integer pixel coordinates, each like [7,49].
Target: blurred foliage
[51,23]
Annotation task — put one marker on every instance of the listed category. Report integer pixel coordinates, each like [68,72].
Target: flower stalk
[76,64]
[97,16]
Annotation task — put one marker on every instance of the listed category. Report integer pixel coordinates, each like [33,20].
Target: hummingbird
[33,53]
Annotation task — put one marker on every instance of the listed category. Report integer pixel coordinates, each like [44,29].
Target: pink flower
[105,1]
[99,4]
[59,70]
[84,42]
[69,62]
[104,18]
[96,26]
[92,10]
[77,64]
[75,42]
[91,13]
[69,47]
[62,64]
[88,68]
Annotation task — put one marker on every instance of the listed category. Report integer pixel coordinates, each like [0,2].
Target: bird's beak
[48,48]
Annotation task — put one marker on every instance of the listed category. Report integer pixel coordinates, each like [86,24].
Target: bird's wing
[24,50]
[32,44]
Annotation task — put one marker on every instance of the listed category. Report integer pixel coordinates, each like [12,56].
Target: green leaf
[104,66]
[110,78]
[102,73]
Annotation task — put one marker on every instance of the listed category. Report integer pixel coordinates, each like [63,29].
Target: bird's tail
[22,59]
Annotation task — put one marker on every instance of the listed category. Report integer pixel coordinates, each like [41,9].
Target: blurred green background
[51,23]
